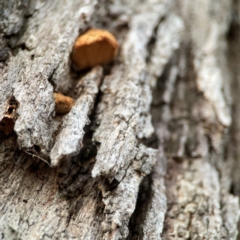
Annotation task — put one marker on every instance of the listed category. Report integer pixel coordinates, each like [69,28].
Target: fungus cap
[95,47]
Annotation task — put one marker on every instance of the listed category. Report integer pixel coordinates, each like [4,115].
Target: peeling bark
[150,148]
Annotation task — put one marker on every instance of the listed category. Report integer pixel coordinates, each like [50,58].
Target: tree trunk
[150,148]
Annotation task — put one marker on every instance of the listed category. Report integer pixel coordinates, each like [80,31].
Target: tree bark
[150,148]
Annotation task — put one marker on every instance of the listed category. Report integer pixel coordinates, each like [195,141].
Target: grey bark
[150,148]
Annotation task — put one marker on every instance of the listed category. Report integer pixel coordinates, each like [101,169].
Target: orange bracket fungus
[63,104]
[95,47]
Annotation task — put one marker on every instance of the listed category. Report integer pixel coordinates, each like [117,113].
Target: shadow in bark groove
[233,62]
[233,38]
[138,216]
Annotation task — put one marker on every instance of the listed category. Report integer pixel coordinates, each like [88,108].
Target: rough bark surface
[150,148]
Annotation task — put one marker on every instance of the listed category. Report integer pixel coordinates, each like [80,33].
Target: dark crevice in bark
[153,39]
[158,101]
[50,78]
[139,214]
[233,55]
[74,178]
[5,53]
[10,116]
[75,183]
[233,61]
[75,173]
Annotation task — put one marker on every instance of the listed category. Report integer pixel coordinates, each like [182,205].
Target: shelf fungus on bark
[95,47]
[63,104]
